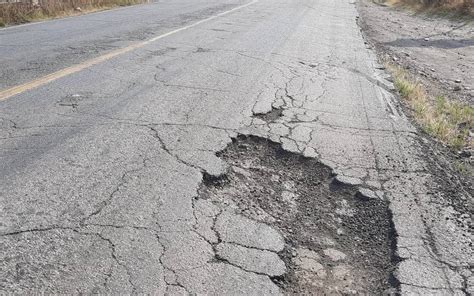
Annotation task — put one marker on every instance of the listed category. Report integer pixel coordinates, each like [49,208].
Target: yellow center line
[7,93]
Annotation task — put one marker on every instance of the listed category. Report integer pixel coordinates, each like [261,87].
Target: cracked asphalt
[105,172]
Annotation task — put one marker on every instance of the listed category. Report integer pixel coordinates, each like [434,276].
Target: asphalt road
[101,162]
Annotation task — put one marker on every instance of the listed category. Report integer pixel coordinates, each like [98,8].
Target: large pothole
[335,241]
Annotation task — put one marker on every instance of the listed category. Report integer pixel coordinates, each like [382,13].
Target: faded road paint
[5,94]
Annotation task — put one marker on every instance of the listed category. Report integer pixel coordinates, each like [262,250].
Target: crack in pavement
[288,139]
[123,181]
[310,102]
[114,256]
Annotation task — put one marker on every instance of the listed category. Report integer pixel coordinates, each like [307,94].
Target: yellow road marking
[7,93]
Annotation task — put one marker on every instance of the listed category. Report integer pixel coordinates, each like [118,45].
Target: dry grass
[464,168]
[448,121]
[458,7]
[17,13]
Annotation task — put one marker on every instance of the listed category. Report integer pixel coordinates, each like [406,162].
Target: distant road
[31,50]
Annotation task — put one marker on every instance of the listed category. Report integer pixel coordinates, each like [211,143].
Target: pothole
[335,243]
[270,116]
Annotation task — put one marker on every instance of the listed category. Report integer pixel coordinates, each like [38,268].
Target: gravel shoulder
[438,50]
[439,53]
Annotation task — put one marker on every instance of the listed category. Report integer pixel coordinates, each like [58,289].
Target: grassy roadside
[453,8]
[448,121]
[19,13]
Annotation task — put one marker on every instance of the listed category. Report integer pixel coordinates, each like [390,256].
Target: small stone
[394,59]
[380,194]
[307,253]
[289,185]
[426,39]
[275,178]
[457,80]
[365,194]
[288,196]
[464,153]
[334,255]
[313,266]
[348,180]
[327,241]
[341,271]
[308,260]
[241,171]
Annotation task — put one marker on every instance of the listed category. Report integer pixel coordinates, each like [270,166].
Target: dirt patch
[336,242]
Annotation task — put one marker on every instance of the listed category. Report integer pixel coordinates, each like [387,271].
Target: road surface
[132,139]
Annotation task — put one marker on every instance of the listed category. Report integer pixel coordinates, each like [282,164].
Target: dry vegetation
[17,13]
[463,7]
[448,121]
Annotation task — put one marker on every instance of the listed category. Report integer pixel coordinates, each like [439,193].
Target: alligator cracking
[335,241]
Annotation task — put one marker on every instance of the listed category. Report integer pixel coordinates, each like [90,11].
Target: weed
[17,13]
[439,7]
[463,168]
[448,121]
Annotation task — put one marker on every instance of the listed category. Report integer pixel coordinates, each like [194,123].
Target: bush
[458,6]
[17,13]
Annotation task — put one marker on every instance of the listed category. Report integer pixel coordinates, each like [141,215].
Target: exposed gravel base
[337,240]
